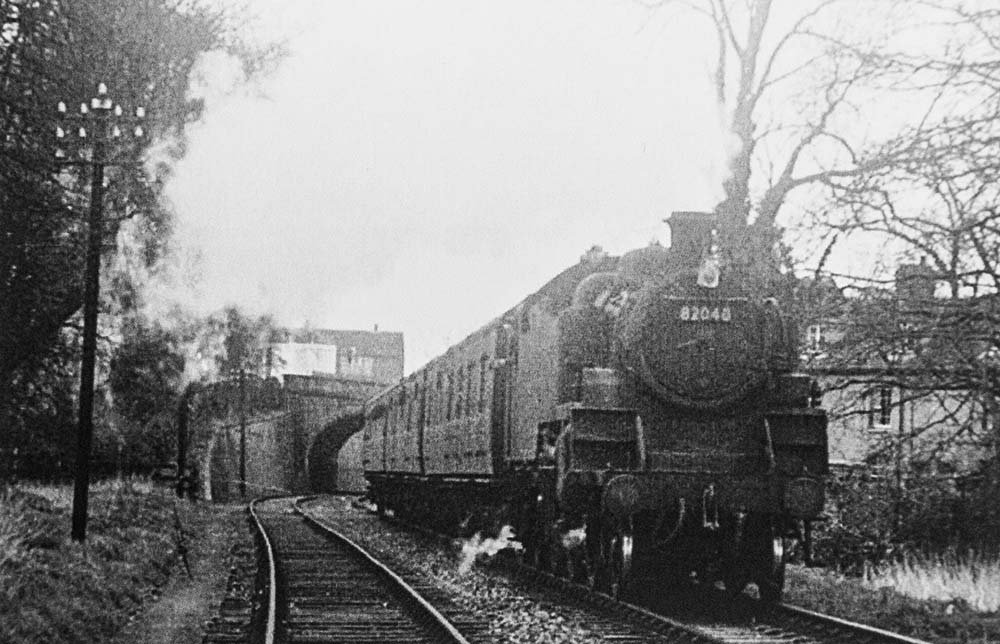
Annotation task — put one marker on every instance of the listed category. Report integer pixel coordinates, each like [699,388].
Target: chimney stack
[690,235]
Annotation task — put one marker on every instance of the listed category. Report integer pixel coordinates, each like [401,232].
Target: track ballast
[330,590]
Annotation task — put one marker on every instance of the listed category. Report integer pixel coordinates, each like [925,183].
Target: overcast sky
[423,166]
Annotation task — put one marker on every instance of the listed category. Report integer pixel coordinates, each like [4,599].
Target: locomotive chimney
[690,235]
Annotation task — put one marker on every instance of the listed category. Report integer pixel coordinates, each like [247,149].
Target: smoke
[404,157]
[477,546]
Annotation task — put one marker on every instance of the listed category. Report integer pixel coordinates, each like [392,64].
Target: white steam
[477,546]
[423,167]
[574,538]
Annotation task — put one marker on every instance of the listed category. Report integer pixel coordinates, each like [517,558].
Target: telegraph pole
[96,121]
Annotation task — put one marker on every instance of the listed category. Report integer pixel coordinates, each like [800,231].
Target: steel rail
[648,618]
[439,620]
[871,633]
[679,629]
[272,575]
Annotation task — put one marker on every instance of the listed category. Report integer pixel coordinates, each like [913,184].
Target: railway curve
[324,587]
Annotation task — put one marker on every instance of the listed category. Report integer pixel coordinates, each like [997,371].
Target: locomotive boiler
[636,413]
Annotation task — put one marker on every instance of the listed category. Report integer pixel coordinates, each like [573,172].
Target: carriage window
[436,409]
[482,381]
[390,417]
[409,408]
[470,407]
[404,409]
[451,397]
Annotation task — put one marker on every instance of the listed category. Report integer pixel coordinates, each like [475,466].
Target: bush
[873,520]
[55,590]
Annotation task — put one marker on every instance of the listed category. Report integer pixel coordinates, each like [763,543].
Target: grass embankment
[940,600]
[55,590]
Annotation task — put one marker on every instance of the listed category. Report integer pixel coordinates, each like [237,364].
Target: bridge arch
[321,459]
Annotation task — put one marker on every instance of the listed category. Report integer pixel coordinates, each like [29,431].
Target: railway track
[705,615]
[324,588]
[325,591]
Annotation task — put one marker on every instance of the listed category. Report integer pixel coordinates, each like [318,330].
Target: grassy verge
[55,590]
[972,579]
[885,606]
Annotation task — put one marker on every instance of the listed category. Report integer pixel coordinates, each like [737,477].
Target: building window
[880,409]
[357,366]
[814,338]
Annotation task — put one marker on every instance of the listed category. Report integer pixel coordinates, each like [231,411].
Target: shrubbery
[875,519]
[54,590]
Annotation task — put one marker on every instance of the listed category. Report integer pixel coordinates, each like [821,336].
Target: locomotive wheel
[735,579]
[543,551]
[770,577]
[760,559]
[598,571]
[736,575]
[620,563]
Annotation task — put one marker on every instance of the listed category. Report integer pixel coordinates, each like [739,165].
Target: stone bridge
[289,449]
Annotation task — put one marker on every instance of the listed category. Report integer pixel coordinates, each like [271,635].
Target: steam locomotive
[636,413]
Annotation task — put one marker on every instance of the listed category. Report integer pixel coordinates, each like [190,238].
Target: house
[365,356]
[909,377]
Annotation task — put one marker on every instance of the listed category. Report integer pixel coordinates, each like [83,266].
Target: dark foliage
[146,372]
[875,517]
[52,51]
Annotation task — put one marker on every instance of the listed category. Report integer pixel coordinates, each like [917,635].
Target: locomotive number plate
[705,313]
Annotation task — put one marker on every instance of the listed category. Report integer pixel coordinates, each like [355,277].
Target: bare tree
[884,128]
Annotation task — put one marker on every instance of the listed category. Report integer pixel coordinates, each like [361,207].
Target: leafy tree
[52,51]
[146,372]
[246,343]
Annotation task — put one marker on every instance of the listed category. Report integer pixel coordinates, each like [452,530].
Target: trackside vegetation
[55,590]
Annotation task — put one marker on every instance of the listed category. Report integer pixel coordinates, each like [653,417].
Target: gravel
[515,613]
